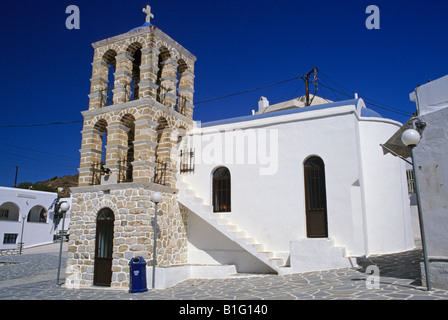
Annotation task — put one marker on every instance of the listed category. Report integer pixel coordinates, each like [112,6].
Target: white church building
[295,189]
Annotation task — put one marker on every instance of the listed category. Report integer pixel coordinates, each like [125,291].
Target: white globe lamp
[410,137]
[156,197]
[64,206]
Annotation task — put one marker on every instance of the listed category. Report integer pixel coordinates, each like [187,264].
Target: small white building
[430,156]
[27,216]
[294,190]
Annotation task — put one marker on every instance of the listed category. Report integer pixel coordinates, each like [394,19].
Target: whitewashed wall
[367,202]
[387,204]
[34,233]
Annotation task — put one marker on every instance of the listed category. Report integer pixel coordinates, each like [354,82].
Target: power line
[367,102]
[196,103]
[23,158]
[38,151]
[335,83]
[373,102]
[247,91]
[39,124]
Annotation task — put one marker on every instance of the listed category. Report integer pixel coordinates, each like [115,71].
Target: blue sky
[240,45]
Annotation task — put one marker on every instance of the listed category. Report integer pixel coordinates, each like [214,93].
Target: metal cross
[149,15]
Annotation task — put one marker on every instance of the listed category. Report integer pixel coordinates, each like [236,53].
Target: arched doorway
[103,247]
[315,198]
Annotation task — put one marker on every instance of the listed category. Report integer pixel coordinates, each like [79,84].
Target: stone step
[189,193]
[239,234]
[268,254]
[231,227]
[277,262]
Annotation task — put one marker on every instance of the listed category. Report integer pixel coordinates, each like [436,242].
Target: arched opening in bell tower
[99,142]
[135,52]
[162,88]
[162,152]
[111,63]
[181,101]
[126,167]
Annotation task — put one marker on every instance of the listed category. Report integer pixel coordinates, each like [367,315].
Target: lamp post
[411,138]
[21,236]
[156,198]
[64,208]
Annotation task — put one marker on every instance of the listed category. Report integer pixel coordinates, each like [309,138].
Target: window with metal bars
[221,190]
[10,238]
[410,175]
[160,172]
[186,161]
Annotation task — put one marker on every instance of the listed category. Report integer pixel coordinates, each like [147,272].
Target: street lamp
[64,208]
[21,236]
[156,198]
[411,138]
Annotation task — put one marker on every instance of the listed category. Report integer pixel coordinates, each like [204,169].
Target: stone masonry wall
[133,232]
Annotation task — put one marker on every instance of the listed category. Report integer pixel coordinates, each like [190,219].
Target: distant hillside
[62,182]
[65,182]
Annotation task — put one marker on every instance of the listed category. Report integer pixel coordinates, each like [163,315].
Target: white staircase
[195,204]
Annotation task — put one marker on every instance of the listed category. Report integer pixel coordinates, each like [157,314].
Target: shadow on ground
[403,265]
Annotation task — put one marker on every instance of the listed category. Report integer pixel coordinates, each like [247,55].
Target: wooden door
[315,198]
[104,248]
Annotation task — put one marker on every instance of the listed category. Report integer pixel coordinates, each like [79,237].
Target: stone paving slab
[32,276]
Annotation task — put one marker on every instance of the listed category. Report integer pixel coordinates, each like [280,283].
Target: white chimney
[263,103]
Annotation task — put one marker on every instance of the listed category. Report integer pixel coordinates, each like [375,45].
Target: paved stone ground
[32,276]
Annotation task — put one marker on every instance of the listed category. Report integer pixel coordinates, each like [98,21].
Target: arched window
[221,193]
[181,100]
[101,127]
[107,95]
[162,89]
[126,167]
[37,214]
[162,152]
[135,52]
[99,143]
[9,211]
[315,198]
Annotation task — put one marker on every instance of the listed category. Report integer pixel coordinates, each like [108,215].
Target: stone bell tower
[141,104]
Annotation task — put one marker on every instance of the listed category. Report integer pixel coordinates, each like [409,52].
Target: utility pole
[306,78]
[15,180]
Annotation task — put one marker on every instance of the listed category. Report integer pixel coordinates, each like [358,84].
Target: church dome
[369,113]
[146,24]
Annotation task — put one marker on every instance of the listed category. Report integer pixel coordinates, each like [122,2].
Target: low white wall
[167,277]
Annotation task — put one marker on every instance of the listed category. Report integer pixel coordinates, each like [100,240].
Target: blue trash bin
[137,267]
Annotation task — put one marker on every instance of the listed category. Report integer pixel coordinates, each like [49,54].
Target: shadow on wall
[207,245]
